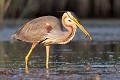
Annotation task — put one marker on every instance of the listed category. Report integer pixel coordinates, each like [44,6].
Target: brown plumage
[47,30]
[35,30]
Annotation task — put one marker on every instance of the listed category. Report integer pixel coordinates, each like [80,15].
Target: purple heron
[47,30]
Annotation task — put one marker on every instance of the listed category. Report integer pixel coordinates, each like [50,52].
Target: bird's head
[69,18]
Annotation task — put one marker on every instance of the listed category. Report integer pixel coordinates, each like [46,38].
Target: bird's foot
[26,66]
[26,69]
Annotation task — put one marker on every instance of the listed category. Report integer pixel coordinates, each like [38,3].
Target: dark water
[78,60]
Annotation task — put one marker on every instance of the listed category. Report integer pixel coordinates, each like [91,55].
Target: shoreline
[89,22]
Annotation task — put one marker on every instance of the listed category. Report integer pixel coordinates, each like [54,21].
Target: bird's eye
[69,20]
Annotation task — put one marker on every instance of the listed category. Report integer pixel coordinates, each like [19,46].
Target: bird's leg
[27,57]
[47,56]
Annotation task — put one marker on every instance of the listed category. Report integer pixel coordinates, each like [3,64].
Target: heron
[47,30]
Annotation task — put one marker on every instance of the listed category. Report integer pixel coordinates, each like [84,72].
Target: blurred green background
[35,8]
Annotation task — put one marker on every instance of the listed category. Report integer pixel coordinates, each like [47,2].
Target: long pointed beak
[82,28]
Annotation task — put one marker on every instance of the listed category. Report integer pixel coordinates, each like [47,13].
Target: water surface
[78,60]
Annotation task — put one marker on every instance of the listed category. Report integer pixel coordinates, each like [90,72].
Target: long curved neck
[68,36]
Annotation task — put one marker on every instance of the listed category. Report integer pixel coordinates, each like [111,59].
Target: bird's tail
[13,37]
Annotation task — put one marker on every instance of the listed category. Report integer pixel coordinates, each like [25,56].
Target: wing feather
[37,29]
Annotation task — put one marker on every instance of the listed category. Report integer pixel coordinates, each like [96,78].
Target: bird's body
[50,33]
[48,30]
[30,31]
